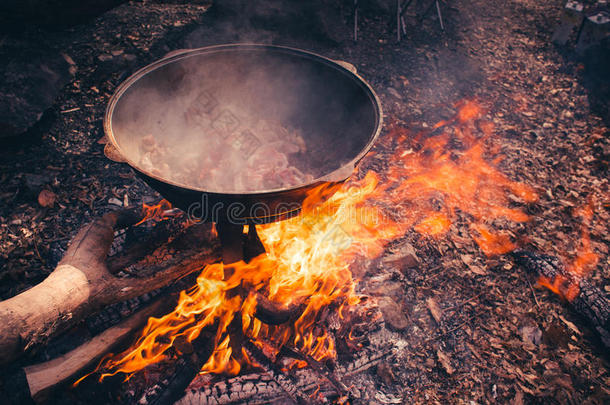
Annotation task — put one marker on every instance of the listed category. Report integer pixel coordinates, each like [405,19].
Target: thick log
[261,388]
[115,313]
[186,369]
[43,377]
[322,370]
[289,386]
[272,314]
[590,303]
[82,284]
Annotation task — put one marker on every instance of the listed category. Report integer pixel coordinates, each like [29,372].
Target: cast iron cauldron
[335,110]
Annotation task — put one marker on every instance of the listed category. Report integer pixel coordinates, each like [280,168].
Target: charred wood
[69,366]
[192,359]
[94,325]
[108,317]
[138,242]
[286,383]
[115,313]
[322,370]
[42,378]
[590,303]
[273,314]
[82,283]
[261,388]
[186,370]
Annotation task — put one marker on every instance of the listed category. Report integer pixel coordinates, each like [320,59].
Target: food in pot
[231,160]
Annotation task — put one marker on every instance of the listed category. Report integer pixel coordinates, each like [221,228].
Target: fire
[454,180]
[428,183]
[586,259]
[492,243]
[567,285]
[156,211]
[563,286]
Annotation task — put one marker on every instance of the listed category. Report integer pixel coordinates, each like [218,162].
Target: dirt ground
[549,129]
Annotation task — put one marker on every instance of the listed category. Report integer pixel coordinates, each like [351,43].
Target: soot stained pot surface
[186,100]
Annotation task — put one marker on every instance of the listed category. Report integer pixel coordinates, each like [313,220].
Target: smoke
[309,24]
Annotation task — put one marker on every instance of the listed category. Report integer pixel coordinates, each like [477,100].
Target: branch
[43,377]
[81,284]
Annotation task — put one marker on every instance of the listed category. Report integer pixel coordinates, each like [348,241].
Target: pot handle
[347,66]
[112,153]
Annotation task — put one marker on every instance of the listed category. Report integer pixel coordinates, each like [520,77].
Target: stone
[404,257]
[393,314]
[34,182]
[596,28]
[30,81]
[47,198]
[571,20]
[392,289]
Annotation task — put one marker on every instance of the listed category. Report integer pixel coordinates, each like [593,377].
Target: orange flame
[156,211]
[427,184]
[492,243]
[567,286]
[561,285]
[586,260]
[454,181]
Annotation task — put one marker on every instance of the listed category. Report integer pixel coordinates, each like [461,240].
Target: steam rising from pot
[244,121]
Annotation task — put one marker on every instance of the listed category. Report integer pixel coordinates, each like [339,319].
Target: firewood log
[273,314]
[262,388]
[43,377]
[591,303]
[283,380]
[81,284]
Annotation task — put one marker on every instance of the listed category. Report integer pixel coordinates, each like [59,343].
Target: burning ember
[567,285]
[430,180]
[155,212]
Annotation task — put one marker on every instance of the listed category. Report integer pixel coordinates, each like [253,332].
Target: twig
[435,275]
[449,331]
[465,302]
[38,252]
[62,238]
[70,110]
[319,368]
[533,293]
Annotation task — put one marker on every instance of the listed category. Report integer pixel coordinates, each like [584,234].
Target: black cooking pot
[225,88]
